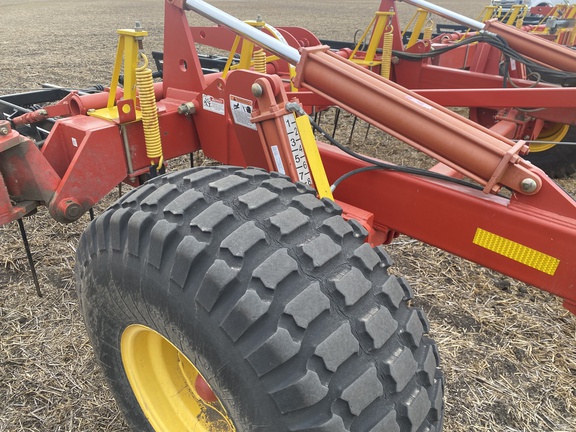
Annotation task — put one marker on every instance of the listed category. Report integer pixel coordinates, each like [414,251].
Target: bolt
[528,185]
[73,210]
[257,90]
[187,108]
[4,131]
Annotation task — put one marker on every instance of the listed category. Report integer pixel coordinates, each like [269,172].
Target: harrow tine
[29,256]
[336,120]
[319,118]
[352,129]
[367,131]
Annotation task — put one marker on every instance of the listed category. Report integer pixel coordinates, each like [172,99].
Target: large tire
[558,160]
[275,300]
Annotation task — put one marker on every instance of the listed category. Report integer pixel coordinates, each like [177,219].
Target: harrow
[255,294]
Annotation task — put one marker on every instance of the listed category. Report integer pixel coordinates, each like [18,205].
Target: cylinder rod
[446,13]
[273,45]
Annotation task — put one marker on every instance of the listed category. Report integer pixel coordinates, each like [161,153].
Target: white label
[278,160]
[74,142]
[419,102]
[210,103]
[513,64]
[242,111]
[297,150]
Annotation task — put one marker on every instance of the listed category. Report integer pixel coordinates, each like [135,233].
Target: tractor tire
[556,160]
[230,299]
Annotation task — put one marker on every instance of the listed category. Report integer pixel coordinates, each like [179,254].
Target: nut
[187,108]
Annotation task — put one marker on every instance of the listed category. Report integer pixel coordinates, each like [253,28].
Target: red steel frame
[85,157]
[469,76]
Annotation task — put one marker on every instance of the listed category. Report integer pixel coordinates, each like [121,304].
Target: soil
[508,350]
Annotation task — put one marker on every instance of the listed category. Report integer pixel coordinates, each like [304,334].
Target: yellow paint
[516,251]
[379,24]
[313,157]
[162,379]
[421,17]
[488,13]
[551,135]
[127,55]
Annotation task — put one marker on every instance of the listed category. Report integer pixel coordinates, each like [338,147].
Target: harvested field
[508,350]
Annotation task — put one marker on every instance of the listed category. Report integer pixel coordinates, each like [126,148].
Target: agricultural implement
[462,68]
[233,298]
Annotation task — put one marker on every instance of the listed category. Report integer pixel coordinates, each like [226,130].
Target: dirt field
[508,350]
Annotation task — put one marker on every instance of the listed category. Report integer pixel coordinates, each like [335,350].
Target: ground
[508,350]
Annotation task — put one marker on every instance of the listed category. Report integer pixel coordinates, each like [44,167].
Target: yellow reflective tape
[313,157]
[516,251]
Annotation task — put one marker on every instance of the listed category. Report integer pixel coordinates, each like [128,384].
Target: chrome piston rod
[282,50]
[446,13]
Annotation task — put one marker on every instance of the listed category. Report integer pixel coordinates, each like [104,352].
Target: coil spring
[150,125]
[428,30]
[387,53]
[259,61]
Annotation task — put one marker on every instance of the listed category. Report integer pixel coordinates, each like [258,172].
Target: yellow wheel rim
[168,386]
[554,134]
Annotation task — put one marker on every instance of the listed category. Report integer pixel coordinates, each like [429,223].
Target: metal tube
[446,13]
[282,50]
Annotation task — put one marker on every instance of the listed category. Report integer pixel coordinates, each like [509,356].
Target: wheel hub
[172,393]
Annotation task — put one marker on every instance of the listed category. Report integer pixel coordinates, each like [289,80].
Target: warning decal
[242,111]
[210,103]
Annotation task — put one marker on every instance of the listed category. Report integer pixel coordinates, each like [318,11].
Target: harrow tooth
[29,256]
[336,120]
[352,130]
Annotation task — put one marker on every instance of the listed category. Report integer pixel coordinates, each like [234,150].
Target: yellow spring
[428,30]
[259,61]
[149,110]
[387,53]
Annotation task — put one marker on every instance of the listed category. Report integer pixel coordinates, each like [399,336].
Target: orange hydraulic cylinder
[535,47]
[476,152]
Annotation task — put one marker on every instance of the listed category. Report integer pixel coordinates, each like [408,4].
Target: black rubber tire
[558,161]
[276,299]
